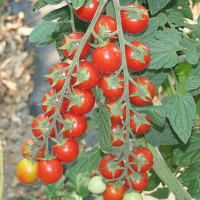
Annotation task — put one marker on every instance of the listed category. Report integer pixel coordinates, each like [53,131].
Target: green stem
[1,171]
[72,16]
[167,176]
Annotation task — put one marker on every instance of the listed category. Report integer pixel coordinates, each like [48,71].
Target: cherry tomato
[112,108]
[110,167]
[107,59]
[117,138]
[27,171]
[144,154]
[131,25]
[50,171]
[86,13]
[78,123]
[86,48]
[68,152]
[88,71]
[144,88]
[135,64]
[144,127]
[104,26]
[138,183]
[112,89]
[52,110]
[38,131]
[112,193]
[96,185]
[61,81]
[87,101]
[132,196]
[25,148]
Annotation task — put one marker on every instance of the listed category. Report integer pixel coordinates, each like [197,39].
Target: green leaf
[79,184]
[157,5]
[110,10]
[103,125]
[155,113]
[125,2]
[175,16]
[47,41]
[77,3]
[30,198]
[98,93]
[39,4]
[86,162]
[1,2]
[53,2]
[189,43]
[196,32]
[195,92]
[60,14]
[162,135]
[192,56]
[198,107]
[181,111]
[160,193]
[182,71]
[43,30]
[163,49]
[162,19]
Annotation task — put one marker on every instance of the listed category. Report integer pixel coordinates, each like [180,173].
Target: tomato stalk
[72,16]
[1,171]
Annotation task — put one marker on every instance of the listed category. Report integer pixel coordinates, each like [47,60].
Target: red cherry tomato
[144,127]
[68,152]
[112,193]
[50,171]
[79,124]
[86,13]
[87,70]
[86,48]
[61,76]
[112,107]
[145,87]
[136,64]
[87,101]
[53,109]
[107,59]
[144,154]
[37,130]
[112,89]
[134,25]
[25,148]
[104,26]
[139,183]
[110,168]
[117,136]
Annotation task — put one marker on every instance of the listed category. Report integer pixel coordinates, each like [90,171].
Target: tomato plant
[117,138]
[96,185]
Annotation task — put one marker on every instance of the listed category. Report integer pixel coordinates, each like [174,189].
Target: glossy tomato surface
[145,155]
[104,26]
[107,59]
[26,171]
[108,170]
[117,135]
[145,88]
[112,89]
[132,25]
[78,124]
[136,64]
[86,48]
[50,171]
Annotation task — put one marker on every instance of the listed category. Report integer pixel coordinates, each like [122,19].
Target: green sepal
[113,82]
[116,109]
[67,124]
[81,75]
[118,134]
[60,141]
[104,32]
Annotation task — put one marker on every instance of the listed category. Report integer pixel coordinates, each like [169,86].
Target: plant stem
[1,171]
[167,176]
[72,16]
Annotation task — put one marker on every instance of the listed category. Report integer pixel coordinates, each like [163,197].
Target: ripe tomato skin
[37,132]
[107,21]
[114,92]
[118,142]
[134,25]
[86,13]
[68,152]
[107,59]
[61,82]
[26,171]
[147,156]
[93,75]
[111,193]
[25,148]
[143,127]
[87,102]
[115,119]
[140,184]
[137,99]
[136,64]
[78,128]
[50,171]
[53,109]
[107,173]
[86,48]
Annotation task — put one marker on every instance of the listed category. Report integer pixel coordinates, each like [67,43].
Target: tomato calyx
[60,141]
[135,176]
[67,125]
[116,109]
[81,75]
[113,81]
[117,184]
[118,134]
[88,2]
[99,42]
[104,32]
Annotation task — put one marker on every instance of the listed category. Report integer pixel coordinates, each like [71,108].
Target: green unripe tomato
[96,185]
[132,196]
